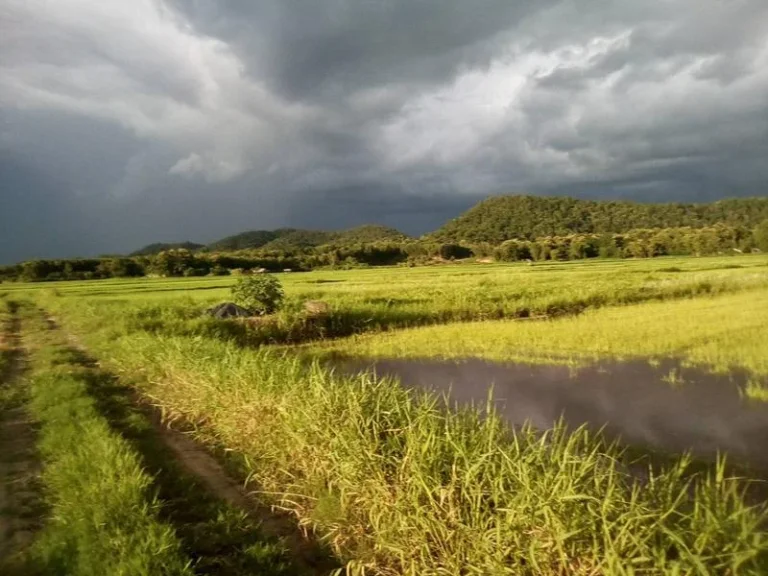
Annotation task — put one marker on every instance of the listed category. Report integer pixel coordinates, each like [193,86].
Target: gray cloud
[125,123]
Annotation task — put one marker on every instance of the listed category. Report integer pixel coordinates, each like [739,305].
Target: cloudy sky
[128,122]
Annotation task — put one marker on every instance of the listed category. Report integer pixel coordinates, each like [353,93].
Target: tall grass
[396,484]
[399,486]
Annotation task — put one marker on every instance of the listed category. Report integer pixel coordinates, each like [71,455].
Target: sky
[129,122]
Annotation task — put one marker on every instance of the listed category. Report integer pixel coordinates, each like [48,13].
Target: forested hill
[503,218]
[249,240]
[286,240]
[156,248]
[366,234]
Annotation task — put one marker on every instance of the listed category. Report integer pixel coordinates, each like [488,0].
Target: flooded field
[668,407]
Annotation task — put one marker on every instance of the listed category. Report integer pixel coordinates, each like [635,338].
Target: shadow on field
[221,528]
[22,507]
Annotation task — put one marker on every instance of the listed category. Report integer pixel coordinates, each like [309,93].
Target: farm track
[169,452]
[20,505]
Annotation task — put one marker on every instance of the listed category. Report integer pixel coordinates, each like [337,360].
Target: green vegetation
[383,299]
[5,347]
[505,229]
[248,240]
[261,294]
[529,217]
[389,479]
[723,333]
[104,519]
[156,248]
[119,501]
[398,486]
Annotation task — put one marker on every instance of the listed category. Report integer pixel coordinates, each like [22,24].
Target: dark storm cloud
[306,47]
[123,123]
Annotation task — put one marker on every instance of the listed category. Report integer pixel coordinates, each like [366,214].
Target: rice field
[380,479]
[720,333]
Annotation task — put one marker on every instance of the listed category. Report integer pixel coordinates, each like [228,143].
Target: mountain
[299,240]
[296,240]
[157,247]
[248,240]
[369,233]
[501,218]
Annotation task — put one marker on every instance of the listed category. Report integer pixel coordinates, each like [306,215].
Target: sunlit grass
[5,347]
[103,515]
[722,333]
[397,485]
[374,300]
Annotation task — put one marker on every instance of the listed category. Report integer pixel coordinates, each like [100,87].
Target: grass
[398,486]
[395,484]
[723,333]
[104,518]
[6,349]
[393,298]
[119,501]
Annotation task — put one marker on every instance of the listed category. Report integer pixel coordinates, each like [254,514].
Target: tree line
[638,243]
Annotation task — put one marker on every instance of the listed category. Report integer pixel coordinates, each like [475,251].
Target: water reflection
[667,407]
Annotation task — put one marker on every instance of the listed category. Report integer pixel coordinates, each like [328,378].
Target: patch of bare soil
[20,506]
[196,459]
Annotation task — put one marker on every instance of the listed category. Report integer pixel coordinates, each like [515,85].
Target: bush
[262,294]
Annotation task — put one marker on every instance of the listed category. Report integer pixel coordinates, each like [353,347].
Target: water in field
[667,407]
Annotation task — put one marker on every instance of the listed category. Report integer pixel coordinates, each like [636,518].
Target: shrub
[262,294]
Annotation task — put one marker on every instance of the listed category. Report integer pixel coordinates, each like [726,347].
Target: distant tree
[172,262]
[760,235]
[119,268]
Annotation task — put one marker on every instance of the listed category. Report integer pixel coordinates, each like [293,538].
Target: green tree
[761,235]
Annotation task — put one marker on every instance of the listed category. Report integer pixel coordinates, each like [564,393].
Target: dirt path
[197,460]
[19,466]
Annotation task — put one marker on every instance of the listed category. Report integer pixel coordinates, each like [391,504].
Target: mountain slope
[502,218]
[248,240]
[369,233]
[157,247]
[366,234]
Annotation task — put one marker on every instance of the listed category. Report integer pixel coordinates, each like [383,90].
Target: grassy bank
[121,499]
[398,486]
[6,348]
[103,516]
